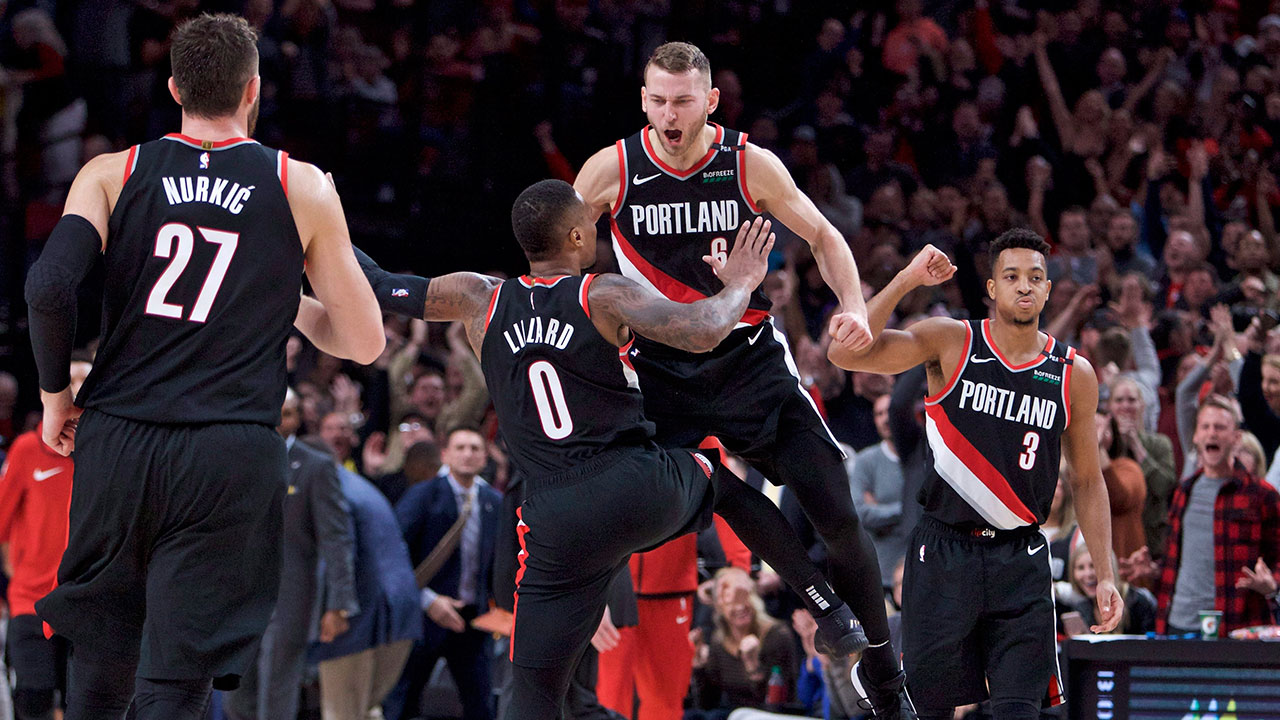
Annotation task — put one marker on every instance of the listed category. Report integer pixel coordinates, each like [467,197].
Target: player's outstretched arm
[894,351]
[346,322]
[621,304]
[52,282]
[1093,510]
[775,191]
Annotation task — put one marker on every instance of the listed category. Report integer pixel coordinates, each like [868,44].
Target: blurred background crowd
[1141,137]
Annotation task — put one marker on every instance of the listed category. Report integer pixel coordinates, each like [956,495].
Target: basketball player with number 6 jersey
[553,346]
[672,193]
[173,555]
[1005,399]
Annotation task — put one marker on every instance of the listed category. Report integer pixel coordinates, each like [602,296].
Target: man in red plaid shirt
[1223,523]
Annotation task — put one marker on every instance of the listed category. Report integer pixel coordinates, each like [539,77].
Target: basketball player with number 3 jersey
[553,346]
[672,193]
[173,554]
[1005,400]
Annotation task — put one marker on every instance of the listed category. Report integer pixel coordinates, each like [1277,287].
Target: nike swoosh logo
[42,475]
[682,619]
[1033,552]
[976,359]
[753,338]
[637,180]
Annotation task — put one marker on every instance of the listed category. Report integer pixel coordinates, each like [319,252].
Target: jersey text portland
[995,435]
[562,392]
[665,220]
[205,267]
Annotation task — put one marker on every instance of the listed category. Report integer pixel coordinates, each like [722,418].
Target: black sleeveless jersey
[995,435]
[664,220]
[562,392]
[204,267]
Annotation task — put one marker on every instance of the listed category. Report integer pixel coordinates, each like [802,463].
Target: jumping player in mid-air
[1004,400]
[554,348]
[173,556]
[674,192]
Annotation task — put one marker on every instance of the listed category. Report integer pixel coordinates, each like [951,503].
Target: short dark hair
[1018,238]
[678,58]
[213,56]
[448,437]
[537,215]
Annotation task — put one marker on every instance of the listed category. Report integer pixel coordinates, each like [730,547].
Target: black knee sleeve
[31,704]
[1015,710]
[172,699]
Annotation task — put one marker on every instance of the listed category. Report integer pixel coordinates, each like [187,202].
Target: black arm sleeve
[399,294]
[52,284]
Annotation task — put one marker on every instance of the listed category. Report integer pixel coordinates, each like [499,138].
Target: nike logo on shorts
[977,359]
[42,475]
[637,180]
[1033,552]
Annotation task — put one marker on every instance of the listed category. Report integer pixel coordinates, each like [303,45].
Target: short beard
[1033,320]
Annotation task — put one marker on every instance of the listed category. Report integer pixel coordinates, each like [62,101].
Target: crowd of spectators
[1141,137]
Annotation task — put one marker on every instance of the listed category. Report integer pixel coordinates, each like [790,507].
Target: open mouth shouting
[673,136]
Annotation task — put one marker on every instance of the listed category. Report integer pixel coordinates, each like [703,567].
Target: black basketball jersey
[562,392]
[204,268]
[995,435]
[665,220]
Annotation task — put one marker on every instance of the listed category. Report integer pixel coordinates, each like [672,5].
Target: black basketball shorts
[174,547]
[977,611]
[578,528]
[746,393]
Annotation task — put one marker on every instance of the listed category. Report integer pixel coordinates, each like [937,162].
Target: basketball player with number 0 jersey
[1005,400]
[673,192]
[553,346]
[173,555]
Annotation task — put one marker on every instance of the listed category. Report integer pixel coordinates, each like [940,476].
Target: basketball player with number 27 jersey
[173,554]
[1004,400]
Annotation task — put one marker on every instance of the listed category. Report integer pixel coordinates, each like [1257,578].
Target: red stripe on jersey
[964,359]
[521,530]
[622,178]
[582,294]
[283,172]
[986,333]
[218,144]
[978,464]
[1066,382]
[1055,690]
[128,164]
[667,285]
[742,175]
[493,304]
[682,174]
[530,281]
[624,352]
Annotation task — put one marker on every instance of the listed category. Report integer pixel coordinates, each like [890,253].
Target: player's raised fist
[850,330]
[61,416]
[930,266]
[748,262]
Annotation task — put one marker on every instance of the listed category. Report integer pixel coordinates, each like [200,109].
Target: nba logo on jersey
[400,292]
[204,161]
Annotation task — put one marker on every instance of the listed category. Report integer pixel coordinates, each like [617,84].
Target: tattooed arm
[461,296]
[621,305]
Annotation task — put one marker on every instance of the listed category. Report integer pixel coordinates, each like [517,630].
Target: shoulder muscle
[598,182]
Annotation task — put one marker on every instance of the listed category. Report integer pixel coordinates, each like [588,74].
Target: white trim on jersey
[968,485]
[795,372]
[622,178]
[134,164]
[629,270]
[1053,630]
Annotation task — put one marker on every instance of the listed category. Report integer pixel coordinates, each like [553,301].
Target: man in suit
[461,589]
[361,665]
[316,527]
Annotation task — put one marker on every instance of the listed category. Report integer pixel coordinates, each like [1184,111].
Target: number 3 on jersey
[548,395]
[1030,443]
[171,232]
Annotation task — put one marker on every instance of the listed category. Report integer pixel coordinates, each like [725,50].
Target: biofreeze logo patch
[1046,377]
[713,176]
